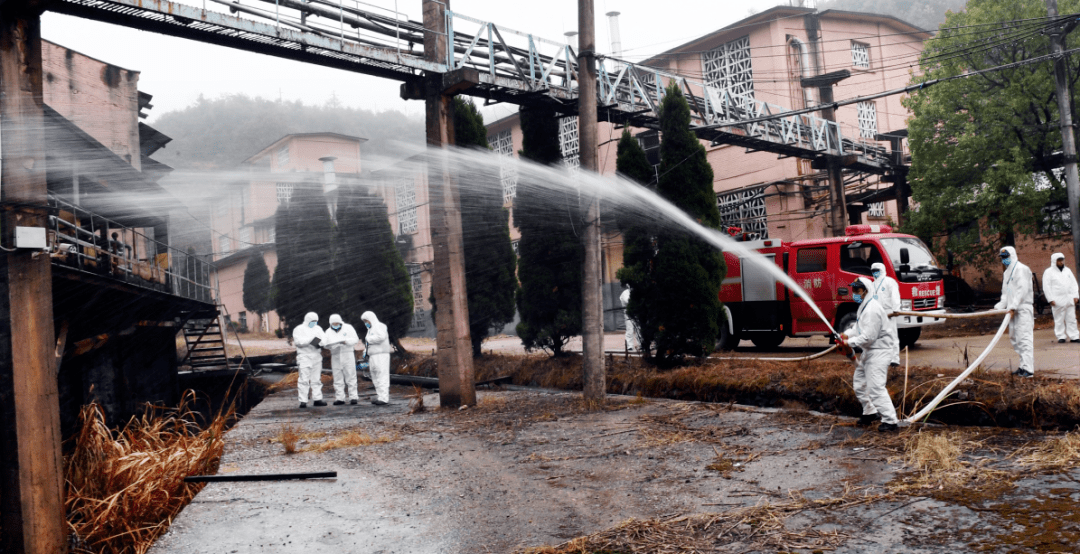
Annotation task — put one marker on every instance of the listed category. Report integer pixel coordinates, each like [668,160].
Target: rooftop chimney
[616,39]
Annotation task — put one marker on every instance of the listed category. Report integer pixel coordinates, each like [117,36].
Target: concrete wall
[100,98]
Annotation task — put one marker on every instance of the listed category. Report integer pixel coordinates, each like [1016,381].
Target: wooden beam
[31,467]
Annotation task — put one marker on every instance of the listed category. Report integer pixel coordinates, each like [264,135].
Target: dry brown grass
[124,487]
[289,382]
[937,463]
[987,398]
[1054,454]
[755,528]
[416,403]
[350,439]
[290,435]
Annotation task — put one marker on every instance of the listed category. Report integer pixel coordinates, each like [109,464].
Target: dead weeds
[124,487]
[350,439]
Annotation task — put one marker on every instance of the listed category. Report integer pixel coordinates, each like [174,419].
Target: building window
[860,55]
[223,213]
[245,238]
[745,209]
[728,68]
[514,244]
[283,155]
[568,142]
[810,260]
[502,143]
[270,234]
[1055,219]
[876,210]
[226,245]
[284,192]
[243,322]
[419,322]
[867,119]
[405,193]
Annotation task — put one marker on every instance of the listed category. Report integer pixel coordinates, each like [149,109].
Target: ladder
[205,339]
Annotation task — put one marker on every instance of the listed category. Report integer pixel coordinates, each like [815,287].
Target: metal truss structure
[405,197]
[511,66]
[502,143]
[745,209]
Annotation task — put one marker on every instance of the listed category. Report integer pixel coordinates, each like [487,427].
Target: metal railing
[95,244]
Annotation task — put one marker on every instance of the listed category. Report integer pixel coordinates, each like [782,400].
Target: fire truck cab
[759,307]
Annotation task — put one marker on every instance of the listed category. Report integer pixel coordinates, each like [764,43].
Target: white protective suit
[309,357]
[632,341]
[1017,294]
[340,343]
[887,292]
[877,338]
[378,349]
[1059,286]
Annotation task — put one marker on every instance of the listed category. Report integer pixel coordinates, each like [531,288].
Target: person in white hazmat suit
[1060,288]
[307,338]
[340,340]
[877,339]
[378,350]
[1018,296]
[632,341]
[887,291]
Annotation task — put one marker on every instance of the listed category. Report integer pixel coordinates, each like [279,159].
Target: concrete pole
[31,467]
[592,323]
[1068,136]
[455,364]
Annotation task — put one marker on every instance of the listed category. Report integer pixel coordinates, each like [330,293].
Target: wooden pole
[1068,134]
[31,467]
[592,323]
[455,367]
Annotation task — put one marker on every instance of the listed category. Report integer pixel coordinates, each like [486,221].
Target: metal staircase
[204,336]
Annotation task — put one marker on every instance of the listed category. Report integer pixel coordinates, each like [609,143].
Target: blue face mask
[877,274]
[1006,261]
[335,327]
[311,324]
[368,325]
[857,297]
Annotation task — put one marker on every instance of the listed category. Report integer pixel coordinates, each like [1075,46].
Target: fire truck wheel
[726,340]
[846,321]
[908,336]
[767,341]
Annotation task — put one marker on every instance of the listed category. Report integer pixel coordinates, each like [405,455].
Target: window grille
[283,155]
[226,245]
[867,119]
[728,68]
[271,235]
[243,320]
[284,192]
[405,194]
[419,322]
[877,210]
[514,244]
[503,144]
[745,209]
[860,55]
[245,238]
[568,142]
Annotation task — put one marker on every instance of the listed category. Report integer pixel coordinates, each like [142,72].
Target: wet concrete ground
[529,468]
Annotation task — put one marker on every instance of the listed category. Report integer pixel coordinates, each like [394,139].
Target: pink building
[243,216]
[764,57]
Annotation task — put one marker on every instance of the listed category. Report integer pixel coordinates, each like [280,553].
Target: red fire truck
[761,309]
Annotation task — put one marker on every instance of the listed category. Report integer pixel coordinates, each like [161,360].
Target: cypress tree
[257,286]
[305,279]
[490,263]
[687,271]
[639,247]
[550,252]
[373,275]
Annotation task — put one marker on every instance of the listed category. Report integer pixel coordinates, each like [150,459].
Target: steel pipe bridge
[494,63]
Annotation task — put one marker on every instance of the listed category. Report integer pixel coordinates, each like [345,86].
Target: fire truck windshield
[920,266]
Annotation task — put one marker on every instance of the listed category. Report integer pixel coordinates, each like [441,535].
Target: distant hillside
[221,133]
[927,14]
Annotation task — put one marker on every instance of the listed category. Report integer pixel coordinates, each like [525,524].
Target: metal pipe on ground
[262,477]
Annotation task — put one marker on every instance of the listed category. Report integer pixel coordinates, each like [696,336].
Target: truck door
[812,273]
[760,309]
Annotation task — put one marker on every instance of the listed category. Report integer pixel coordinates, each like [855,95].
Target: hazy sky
[177,71]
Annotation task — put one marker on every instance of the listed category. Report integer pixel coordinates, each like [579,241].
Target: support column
[592,323]
[31,467]
[454,357]
[1068,134]
[837,199]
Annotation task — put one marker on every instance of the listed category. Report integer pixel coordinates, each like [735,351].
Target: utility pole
[592,323]
[1068,136]
[832,165]
[454,357]
[31,467]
